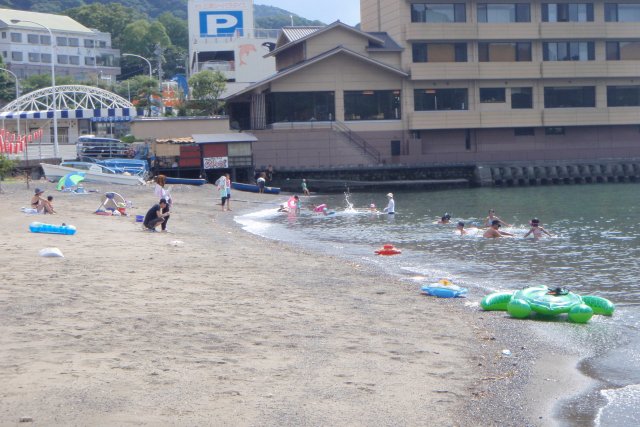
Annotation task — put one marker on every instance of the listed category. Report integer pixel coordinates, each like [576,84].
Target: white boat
[92,173]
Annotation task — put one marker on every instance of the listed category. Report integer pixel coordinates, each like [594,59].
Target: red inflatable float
[388,250]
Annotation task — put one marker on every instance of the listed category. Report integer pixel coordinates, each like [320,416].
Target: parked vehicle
[102,148]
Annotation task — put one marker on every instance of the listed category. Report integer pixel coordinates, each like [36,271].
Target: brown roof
[184,140]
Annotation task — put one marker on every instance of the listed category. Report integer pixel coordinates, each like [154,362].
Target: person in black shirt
[155,215]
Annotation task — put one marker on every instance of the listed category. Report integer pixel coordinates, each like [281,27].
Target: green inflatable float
[546,301]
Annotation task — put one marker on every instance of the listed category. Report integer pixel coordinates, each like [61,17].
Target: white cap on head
[390,195]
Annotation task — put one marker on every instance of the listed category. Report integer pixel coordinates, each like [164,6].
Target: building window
[89,60]
[16,56]
[467,139]
[567,12]
[89,43]
[34,57]
[504,52]
[490,95]
[74,60]
[524,132]
[372,105]
[623,51]
[623,96]
[554,131]
[61,41]
[440,99]
[45,40]
[622,12]
[63,59]
[4,34]
[570,97]
[16,38]
[439,52]
[504,13]
[74,42]
[33,39]
[102,43]
[46,58]
[396,148]
[521,98]
[434,12]
[568,51]
[4,53]
[300,106]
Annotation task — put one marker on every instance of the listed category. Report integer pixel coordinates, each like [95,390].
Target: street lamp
[141,57]
[17,92]
[53,82]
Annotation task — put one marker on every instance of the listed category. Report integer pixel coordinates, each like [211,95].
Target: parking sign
[221,23]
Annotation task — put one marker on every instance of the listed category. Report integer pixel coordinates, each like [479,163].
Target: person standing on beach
[269,173]
[391,206]
[162,192]
[305,190]
[227,187]
[221,185]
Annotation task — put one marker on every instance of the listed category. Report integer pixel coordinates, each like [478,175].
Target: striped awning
[109,114]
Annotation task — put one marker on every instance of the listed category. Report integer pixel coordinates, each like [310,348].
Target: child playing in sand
[50,202]
[536,229]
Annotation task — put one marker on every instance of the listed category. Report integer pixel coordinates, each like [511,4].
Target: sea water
[594,249]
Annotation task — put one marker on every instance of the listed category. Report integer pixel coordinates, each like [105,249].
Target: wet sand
[209,325]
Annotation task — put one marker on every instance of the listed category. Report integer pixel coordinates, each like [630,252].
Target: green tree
[177,29]
[6,167]
[40,81]
[141,37]
[206,89]
[7,85]
[112,18]
[144,90]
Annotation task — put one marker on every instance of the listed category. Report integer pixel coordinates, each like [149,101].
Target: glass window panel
[89,60]
[492,95]
[570,97]
[89,43]
[74,42]
[45,40]
[623,96]
[61,41]
[16,37]
[16,56]
[300,106]
[418,12]
[419,52]
[33,39]
[521,97]
[613,51]
[523,12]
[628,12]
[63,59]
[440,13]
[441,52]
[461,52]
[372,105]
[74,60]
[440,99]
[34,57]
[482,12]
[611,12]
[629,51]
[501,13]
[523,51]
[46,58]
[460,12]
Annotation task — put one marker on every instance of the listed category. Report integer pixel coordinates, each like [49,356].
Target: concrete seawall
[460,175]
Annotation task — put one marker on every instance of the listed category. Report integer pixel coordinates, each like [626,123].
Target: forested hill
[265,16]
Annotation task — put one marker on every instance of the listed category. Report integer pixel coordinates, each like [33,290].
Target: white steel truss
[68,97]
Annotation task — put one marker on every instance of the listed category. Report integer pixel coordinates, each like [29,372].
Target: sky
[327,11]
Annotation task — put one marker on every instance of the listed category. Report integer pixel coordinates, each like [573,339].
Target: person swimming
[445,219]
[492,217]
[494,231]
[460,228]
[536,230]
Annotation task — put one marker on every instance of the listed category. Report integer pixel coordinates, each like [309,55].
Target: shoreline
[237,327]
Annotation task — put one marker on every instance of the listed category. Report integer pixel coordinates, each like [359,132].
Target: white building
[222,37]
[80,52]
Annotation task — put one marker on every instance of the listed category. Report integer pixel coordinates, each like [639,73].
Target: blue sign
[221,24]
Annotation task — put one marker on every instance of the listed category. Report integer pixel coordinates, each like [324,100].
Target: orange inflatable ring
[388,250]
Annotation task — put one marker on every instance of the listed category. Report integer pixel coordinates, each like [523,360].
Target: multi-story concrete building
[456,81]
[80,52]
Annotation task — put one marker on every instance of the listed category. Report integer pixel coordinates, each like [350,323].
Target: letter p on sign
[220,24]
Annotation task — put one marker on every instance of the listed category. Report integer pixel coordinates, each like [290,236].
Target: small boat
[185,181]
[388,250]
[92,173]
[254,188]
[444,289]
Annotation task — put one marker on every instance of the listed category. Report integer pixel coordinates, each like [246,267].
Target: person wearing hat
[446,219]
[40,204]
[536,229]
[494,231]
[155,216]
[391,206]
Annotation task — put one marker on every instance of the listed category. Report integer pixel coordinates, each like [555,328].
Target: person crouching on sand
[155,216]
[494,231]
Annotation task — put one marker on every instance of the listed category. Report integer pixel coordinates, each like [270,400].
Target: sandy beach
[209,325]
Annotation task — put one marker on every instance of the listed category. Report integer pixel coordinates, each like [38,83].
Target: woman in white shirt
[391,206]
